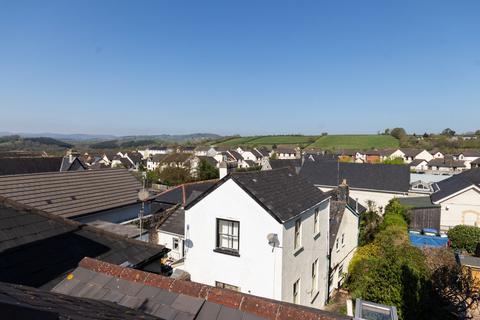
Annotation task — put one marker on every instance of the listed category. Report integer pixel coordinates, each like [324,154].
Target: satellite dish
[143,195]
[273,240]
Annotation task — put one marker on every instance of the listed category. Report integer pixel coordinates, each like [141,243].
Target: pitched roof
[180,194]
[470,153]
[285,163]
[280,192]
[37,248]
[174,223]
[176,158]
[381,177]
[446,163]
[416,162]
[410,152]
[158,157]
[29,165]
[263,152]
[211,160]
[22,302]
[417,202]
[456,183]
[170,298]
[72,193]
[237,156]
[136,157]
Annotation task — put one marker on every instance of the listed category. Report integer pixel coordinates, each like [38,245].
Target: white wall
[461,209]
[166,239]
[258,269]
[342,256]
[297,265]
[381,199]
[424,155]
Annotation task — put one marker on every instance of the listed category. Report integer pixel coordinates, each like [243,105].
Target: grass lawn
[270,140]
[363,142]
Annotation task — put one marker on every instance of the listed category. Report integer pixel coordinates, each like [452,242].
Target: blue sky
[246,67]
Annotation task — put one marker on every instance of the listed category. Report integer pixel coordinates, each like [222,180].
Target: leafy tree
[386,132]
[390,270]
[206,171]
[369,224]
[448,132]
[464,238]
[173,176]
[426,135]
[394,161]
[398,133]
[153,176]
[477,133]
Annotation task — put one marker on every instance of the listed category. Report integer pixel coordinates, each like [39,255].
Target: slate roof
[455,183]
[410,152]
[174,223]
[280,192]
[36,248]
[471,153]
[446,163]
[136,157]
[285,163]
[263,152]
[476,161]
[181,193]
[176,158]
[158,157]
[469,261]
[170,298]
[29,165]
[417,202]
[234,154]
[72,193]
[22,302]
[380,177]
[210,160]
[416,162]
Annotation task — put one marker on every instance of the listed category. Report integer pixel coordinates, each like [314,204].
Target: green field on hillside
[363,142]
[270,140]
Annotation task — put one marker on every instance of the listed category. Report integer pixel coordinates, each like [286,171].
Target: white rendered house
[263,233]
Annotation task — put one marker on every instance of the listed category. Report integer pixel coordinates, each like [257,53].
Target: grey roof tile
[226,313]
[165,312]
[113,296]
[187,304]
[209,311]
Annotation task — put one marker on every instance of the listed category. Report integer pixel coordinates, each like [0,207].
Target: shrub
[464,238]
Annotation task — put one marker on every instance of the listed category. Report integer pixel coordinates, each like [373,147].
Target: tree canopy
[398,133]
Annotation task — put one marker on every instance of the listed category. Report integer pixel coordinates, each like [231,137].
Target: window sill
[226,251]
[297,251]
[315,295]
[315,237]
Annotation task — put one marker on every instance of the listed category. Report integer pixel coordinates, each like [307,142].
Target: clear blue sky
[247,67]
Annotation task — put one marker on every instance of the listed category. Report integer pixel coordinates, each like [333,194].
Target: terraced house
[263,233]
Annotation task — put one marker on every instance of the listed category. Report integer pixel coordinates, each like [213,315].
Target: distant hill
[17,143]
[194,137]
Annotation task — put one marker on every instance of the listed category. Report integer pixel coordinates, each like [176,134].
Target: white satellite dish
[273,240]
[143,195]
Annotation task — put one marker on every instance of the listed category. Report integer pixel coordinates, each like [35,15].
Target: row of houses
[247,238]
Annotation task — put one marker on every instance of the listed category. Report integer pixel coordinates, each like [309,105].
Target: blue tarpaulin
[419,240]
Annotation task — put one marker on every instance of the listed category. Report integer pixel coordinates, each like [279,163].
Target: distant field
[355,142]
[270,140]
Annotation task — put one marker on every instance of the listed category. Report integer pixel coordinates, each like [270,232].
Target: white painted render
[299,265]
[463,208]
[257,270]
[343,255]
[166,239]
[424,155]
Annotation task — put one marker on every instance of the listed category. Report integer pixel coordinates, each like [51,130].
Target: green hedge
[464,238]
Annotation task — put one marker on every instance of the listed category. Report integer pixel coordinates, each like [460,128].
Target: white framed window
[297,243]
[296,292]
[314,276]
[223,285]
[228,235]
[175,244]
[316,222]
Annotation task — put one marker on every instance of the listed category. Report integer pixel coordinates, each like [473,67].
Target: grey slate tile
[209,311]
[165,312]
[165,297]
[131,302]
[113,296]
[67,286]
[187,304]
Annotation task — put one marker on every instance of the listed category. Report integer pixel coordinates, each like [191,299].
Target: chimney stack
[343,191]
